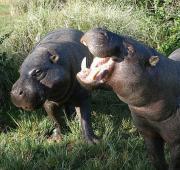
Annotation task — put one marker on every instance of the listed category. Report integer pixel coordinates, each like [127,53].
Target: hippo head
[106,49]
[111,51]
[44,75]
[101,43]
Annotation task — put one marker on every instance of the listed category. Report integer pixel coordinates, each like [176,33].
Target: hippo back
[65,35]
[62,35]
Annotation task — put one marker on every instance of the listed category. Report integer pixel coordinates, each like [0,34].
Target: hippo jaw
[98,73]
[27,94]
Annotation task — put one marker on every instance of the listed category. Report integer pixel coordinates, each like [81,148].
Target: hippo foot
[93,139]
[55,136]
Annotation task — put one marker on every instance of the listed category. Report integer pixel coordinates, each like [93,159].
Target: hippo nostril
[20,93]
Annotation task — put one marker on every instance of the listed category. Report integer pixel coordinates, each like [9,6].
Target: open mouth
[98,73]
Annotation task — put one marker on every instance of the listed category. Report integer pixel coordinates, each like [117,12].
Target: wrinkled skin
[48,79]
[144,79]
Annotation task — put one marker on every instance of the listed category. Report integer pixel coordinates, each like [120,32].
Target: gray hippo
[144,79]
[48,79]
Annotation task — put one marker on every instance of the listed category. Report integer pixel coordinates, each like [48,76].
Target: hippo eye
[36,73]
[54,58]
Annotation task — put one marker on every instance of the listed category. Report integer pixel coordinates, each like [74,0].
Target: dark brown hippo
[144,79]
[48,79]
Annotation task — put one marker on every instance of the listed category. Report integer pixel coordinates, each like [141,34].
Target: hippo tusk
[83,42]
[83,64]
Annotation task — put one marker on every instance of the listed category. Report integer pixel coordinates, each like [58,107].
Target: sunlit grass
[5,18]
[118,17]
[26,147]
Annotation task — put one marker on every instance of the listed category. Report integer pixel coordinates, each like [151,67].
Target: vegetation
[23,143]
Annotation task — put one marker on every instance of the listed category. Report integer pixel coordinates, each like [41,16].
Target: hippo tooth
[83,64]
[93,73]
[84,43]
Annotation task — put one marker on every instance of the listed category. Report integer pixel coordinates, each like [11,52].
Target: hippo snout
[17,92]
[27,95]
[17,95]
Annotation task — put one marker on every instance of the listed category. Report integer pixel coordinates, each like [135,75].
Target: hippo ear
[54,58]
[153,60]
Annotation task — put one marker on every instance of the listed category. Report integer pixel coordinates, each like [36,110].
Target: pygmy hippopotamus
[144,79]
[48,79]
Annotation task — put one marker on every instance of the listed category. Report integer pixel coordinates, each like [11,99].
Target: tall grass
[5,1]
[83,15]
[154,23]
[26,147]
[23,6]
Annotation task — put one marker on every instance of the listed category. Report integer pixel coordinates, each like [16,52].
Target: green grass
[23,144]
[4,9]
[117,17]
[121,147]
[5,19]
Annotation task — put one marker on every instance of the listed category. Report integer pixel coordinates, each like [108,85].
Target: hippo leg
[53,110]
[84,110]
[175,157]
[69,110]
[155,148]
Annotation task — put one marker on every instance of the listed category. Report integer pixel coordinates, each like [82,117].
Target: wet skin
[48,79]
[144,79]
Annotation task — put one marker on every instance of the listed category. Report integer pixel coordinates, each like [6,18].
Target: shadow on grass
[31,154]
[107,104]
[25,146]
